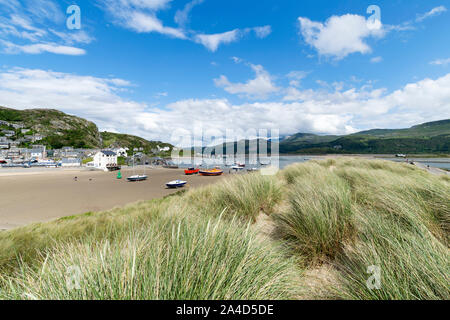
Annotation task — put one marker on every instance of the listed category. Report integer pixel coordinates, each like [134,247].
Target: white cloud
[262,32]
[80,36]
[144,23]
[297,75]
[331,111]
[441,62]
[182,16]
[339,36]
[38,48]
[258,88]
[376,59]
[32,27]
[433,12]
[213,41]
[140,16]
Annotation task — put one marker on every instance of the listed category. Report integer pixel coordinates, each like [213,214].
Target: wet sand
[46,194]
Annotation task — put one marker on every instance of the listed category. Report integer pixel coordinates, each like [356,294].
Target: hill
[58,129]
[431,137]
[111,140]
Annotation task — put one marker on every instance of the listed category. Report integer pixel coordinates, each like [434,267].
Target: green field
[310,232]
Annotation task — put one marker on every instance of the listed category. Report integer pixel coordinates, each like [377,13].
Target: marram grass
[326,224]
[168,259]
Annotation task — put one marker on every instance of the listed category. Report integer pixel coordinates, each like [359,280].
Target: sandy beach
[28,195]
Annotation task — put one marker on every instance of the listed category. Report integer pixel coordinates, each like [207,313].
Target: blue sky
[145,66]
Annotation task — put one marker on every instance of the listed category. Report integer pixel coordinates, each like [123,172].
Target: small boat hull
[137,178]
[211,173]
[176,184]
[190,172]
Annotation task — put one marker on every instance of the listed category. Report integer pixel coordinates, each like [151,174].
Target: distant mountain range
[59,129]
[430,137]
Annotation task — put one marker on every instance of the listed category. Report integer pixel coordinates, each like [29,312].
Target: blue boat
[176,184]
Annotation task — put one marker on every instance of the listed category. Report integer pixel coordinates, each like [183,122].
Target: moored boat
[137,178]
[176,184]
[191,171]
[211,172]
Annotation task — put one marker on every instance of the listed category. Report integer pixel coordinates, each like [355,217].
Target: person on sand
[75,178]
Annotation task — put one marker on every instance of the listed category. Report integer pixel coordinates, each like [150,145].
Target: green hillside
[111,140]
[431,137]
[59,129]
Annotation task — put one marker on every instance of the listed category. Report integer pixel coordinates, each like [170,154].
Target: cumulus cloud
[339,36]
[327,111]
[433,12]
[258,88]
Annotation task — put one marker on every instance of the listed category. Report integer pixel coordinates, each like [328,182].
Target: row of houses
[65,157]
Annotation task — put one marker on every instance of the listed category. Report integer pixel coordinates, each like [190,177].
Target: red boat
[191,171]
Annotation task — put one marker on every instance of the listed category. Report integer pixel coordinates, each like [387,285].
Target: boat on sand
[137,177]
[176,184]
[191,171]
[211,172]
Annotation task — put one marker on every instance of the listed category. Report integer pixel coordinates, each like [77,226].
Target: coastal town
[20,147]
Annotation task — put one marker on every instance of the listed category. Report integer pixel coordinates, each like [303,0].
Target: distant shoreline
[374,155]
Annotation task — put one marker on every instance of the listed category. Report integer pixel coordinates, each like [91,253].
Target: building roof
[109,153]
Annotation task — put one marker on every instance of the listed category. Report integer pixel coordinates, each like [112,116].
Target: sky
[155,67]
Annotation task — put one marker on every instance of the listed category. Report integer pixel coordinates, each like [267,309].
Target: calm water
[442,163]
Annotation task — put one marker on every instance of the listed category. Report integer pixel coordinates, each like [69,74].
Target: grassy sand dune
[311,231]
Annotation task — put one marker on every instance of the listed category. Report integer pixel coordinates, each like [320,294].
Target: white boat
[237,167]
[137,178]
[176,184]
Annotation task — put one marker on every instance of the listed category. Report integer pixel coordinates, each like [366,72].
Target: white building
[38,153]
[71,162]
[163,149]
[121,152]
[105,159]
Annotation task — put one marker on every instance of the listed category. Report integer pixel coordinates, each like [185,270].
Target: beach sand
[46,194]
